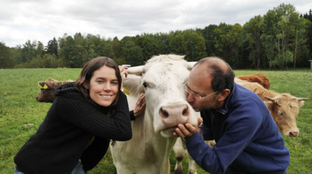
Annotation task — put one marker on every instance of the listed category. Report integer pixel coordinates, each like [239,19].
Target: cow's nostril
[293,134]
[164,113]
[175,114]
[174,111]
[185,112]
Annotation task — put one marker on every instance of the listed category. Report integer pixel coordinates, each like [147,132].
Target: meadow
[21,114]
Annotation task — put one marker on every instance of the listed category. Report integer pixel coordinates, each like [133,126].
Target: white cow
[161,79]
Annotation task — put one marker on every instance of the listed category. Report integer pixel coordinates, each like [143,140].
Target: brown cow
[259,78]
[284,107]
[47,89]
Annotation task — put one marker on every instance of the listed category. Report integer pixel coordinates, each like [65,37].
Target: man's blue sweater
[246,135]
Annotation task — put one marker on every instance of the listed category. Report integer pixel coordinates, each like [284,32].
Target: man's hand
[187,129]
[140,106]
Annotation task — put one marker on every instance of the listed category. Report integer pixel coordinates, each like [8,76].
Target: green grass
[21,114]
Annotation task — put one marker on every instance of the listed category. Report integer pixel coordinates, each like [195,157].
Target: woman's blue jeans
[77,170]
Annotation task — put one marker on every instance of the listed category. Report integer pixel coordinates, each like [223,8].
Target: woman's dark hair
[221,78]
[88,71]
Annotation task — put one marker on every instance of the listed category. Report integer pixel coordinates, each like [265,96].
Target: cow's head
[47,89]
[161,79]
[285,109]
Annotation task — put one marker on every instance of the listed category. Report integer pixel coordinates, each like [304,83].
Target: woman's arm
[89,118]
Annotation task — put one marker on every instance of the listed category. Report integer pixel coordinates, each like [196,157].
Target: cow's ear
[269,104]
[41,83]
[133,84]
[270,99]
[275,100]
[44,85]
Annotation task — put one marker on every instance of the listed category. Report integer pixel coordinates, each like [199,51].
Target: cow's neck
[265,93]
[155,147]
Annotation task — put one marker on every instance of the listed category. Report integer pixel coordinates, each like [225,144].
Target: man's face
[200,95]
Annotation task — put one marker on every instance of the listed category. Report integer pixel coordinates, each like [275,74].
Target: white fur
[148,150]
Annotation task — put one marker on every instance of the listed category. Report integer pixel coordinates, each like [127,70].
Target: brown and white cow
[284,107]
[47,89]
[161,79]
[259,78]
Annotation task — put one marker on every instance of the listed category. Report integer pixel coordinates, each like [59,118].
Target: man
[248,140]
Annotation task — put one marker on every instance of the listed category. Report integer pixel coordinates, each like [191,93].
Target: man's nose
[190,97]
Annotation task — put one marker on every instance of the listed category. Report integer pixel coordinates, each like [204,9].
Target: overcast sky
[36,20]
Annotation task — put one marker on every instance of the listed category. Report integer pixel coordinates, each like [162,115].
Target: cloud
[22,20]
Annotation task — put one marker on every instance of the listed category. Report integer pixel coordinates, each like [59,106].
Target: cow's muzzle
[172,115]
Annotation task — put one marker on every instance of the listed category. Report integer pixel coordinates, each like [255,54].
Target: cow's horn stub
[138,70]
[191,65]
[303,99]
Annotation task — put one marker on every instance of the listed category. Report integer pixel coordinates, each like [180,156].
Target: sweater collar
[67,89]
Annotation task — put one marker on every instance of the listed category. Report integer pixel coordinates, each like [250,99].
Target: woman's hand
[140,106]
[123,70]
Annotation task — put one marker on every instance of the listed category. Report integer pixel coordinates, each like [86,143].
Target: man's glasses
[188,90]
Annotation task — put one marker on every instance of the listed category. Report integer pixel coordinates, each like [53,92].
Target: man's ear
[224,94]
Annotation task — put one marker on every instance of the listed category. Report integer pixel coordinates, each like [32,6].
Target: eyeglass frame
[188,90]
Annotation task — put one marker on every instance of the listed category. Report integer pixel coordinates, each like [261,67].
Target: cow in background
[259,78]
[47,89]
[284,107]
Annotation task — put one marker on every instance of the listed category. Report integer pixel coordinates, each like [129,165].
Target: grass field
[21,114]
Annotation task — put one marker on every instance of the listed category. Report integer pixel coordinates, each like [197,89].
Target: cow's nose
[172,115]
[294,133]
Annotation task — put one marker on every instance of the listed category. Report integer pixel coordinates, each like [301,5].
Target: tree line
[280,39]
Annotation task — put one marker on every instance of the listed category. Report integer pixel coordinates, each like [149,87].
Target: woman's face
[103,86]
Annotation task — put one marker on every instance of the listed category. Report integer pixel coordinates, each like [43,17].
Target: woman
[85,115]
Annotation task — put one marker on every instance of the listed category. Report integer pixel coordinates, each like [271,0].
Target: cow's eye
[281,114]
[145,85]
[148,84]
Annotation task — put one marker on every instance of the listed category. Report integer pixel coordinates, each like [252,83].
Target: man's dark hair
[221,78]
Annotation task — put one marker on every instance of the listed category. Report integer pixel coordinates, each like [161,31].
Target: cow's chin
[167,133]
